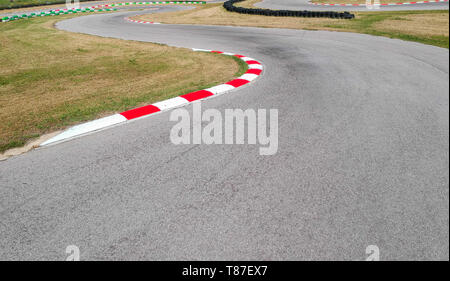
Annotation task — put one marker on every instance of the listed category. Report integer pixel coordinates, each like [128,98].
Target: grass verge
[51,79]
[428,27]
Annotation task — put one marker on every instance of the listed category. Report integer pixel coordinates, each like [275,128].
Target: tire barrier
[98,8]
[229,6]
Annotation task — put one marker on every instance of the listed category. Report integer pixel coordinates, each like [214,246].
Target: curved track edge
[255,69]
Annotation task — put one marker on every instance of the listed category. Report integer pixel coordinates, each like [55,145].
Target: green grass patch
[51,79]
[243,66]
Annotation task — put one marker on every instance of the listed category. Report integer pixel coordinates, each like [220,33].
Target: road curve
[304,5]
[362,159]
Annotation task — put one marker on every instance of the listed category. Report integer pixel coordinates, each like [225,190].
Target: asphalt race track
[304,5]
[362,160]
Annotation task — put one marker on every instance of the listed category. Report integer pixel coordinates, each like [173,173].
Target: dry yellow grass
[50,79]
[419,25]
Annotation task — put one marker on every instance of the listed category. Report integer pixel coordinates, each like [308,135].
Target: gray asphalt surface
[363,159]
[303,5]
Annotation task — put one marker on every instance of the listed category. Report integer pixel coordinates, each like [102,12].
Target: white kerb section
[87,128]
[170,103]
[220,89]
[255,66]
[249,77]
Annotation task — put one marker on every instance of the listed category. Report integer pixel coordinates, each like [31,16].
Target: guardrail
[229,6]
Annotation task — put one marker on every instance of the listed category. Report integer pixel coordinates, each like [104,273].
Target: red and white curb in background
[383,4]
[255,69]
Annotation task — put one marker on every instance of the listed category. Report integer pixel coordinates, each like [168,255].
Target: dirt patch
[27,147]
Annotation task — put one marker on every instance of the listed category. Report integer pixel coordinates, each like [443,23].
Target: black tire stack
[229,6]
